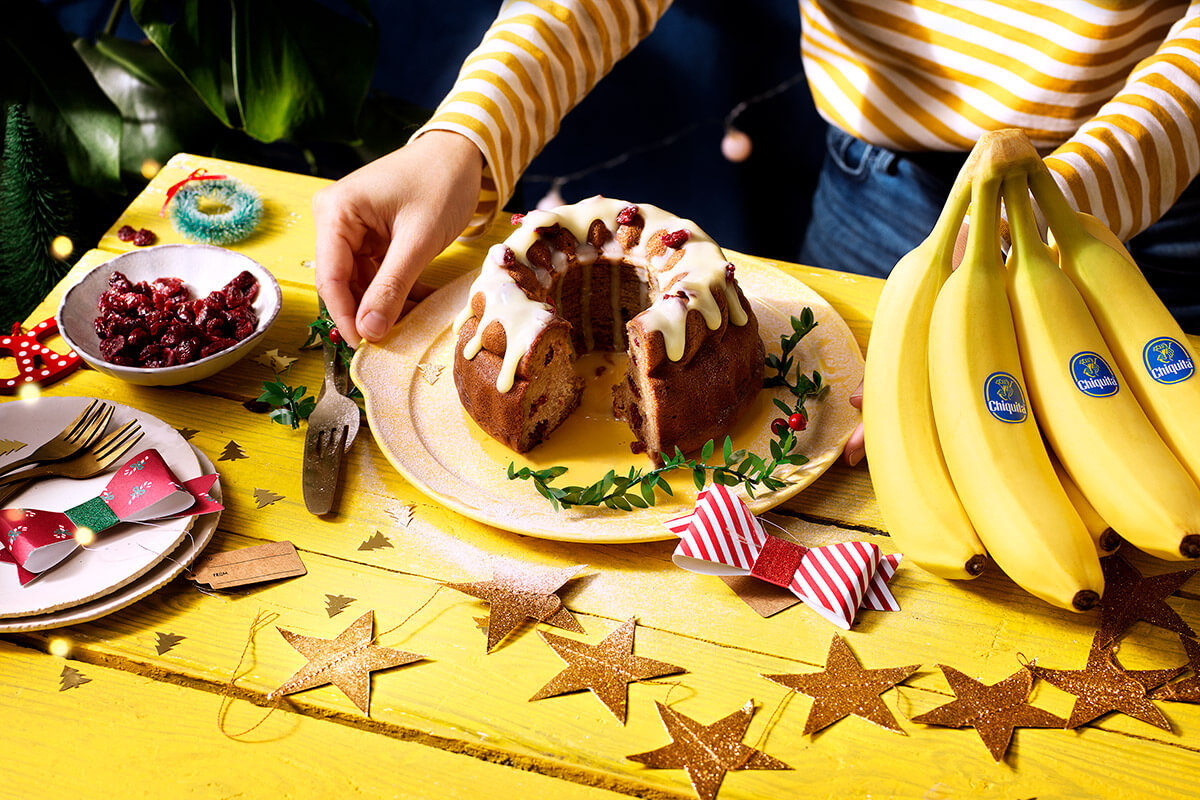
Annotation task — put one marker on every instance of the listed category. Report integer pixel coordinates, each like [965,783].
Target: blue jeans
[872,205]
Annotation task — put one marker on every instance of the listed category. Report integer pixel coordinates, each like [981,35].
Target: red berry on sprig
[780,426]
[797,421]
[335,336]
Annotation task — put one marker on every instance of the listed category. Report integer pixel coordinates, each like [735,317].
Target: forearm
[536,62]
[1129,163]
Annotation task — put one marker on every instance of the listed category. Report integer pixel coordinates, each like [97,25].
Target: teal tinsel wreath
[244,211]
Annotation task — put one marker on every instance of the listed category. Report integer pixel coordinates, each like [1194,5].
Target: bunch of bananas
[1023,412]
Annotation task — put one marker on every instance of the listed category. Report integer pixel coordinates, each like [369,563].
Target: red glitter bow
[200,174]
[144,489]
[722,537]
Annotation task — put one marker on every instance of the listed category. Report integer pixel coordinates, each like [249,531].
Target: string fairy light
[736,145]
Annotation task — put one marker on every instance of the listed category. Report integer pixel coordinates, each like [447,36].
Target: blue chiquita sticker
[1093,376]
[1167,360]
[1004,398]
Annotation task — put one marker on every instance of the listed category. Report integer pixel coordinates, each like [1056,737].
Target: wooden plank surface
[462,717]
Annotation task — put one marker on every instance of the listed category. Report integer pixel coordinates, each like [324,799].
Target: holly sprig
[638,488]
[322,330]
[289,404]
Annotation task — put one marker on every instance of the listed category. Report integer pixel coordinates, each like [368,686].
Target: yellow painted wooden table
[137,723]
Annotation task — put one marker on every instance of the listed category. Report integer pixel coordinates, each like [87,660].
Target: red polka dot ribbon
[36,364]
[722,537]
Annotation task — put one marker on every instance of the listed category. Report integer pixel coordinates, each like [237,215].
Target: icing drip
[698,272]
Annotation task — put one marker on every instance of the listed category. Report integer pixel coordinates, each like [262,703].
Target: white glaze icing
[698,272]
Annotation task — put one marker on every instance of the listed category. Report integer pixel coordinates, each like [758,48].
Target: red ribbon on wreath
[199,174]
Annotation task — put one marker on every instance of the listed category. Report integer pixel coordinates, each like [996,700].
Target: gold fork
[79,435]
[84,465]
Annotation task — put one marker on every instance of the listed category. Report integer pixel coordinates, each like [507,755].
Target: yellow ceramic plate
[416,418]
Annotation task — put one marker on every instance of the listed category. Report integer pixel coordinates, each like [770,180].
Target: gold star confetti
[375,542]
[166,642]
[517,594]
[606,669]
[707,752]
[274,360]
[347,661]
[1129,597]
[994,711]
[233,451]
[1188,689]
[336,604]
[71,678]
[431,372]
[265,497]
[1104,685]
[845,688]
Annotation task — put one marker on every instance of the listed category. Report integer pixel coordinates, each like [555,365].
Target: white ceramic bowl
[203,268]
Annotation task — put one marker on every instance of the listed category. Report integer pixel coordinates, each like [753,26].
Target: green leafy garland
[638,488]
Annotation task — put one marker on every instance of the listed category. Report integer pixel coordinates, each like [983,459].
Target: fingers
[384,300]
[335,253]
[856,445]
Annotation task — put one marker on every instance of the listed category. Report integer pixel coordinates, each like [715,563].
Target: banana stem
[1022,224]
[1060,216]
[983,239]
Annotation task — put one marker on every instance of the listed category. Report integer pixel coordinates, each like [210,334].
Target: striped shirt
[1109,90]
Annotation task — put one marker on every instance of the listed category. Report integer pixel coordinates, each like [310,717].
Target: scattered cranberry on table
[159,324]
[140,237]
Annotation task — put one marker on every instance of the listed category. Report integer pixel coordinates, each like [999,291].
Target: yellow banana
[1105,538]
[1093,423]
[1150,348]
[916,496]
[993,448]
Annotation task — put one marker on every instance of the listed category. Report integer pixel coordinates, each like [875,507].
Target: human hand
[856,446]
[381,225]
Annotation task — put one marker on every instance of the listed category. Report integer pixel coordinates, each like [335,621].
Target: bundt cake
[603,274]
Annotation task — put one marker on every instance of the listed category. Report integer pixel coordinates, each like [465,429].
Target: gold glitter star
[606,669]
[517,594]
[347,661]
[993,711]
[845,688]
[1104,685]
[707,752]
[1129,597]
[1188,689]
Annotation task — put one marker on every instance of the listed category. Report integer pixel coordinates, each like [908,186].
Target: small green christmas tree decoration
[34,209]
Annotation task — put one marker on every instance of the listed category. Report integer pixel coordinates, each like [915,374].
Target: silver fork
[79,435]
[332,426]
[84,465]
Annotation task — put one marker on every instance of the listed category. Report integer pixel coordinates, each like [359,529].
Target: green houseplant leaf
[42,71]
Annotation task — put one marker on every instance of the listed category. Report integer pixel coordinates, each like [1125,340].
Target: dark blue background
[704,58]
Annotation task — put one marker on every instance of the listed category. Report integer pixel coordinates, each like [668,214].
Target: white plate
[120,555]
[160,575]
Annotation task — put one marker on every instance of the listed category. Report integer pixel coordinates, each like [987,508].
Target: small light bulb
[150,168]
[60,647]
[85,536]
[736,146]
[29,391]
[62,247]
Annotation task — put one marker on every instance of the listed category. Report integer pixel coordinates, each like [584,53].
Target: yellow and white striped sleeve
[536,61]
[1130,162]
